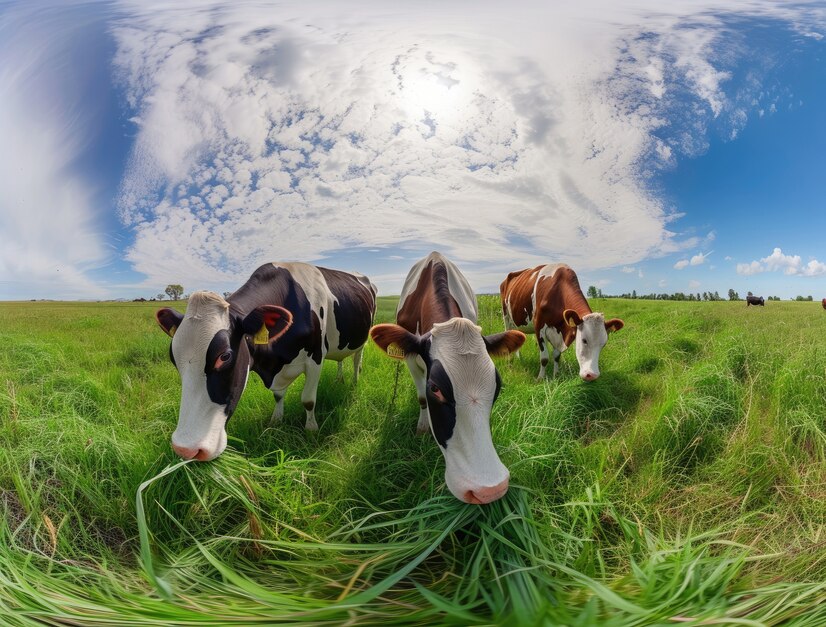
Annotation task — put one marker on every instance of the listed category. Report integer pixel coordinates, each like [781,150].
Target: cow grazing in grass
[823,302]
[457,383]
[548,299]
[755,300]
[283,322]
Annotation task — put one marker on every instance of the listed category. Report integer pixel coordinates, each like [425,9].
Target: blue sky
[654,146]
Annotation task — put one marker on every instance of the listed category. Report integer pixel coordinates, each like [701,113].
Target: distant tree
[599,292]
[633,293]
[174,291]
[809,298]
[732,295]
[227,294]
[592,291]
[159,296]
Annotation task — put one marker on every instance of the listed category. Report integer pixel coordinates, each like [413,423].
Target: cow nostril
[184,452]
[590,376]
[202,456]
[483,495]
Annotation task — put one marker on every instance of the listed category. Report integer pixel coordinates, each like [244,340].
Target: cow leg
[340,373]
[278,412]
[357,365]
[543,355]
[557,342]
[312,375]
[419,373]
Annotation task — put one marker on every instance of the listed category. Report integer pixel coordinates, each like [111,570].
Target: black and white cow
[754,300]
[457,383]
[283,322]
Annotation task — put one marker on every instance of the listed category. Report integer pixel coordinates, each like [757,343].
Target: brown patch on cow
[518,287]
[502,344]
[430,302]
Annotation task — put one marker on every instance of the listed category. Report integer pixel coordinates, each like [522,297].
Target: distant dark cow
[283,322]
[823,302]
[755,300]
[456,380]
[549,299]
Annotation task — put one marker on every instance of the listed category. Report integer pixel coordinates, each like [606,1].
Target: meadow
[687,485]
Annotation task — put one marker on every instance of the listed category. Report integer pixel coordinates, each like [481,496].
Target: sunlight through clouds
[264,136]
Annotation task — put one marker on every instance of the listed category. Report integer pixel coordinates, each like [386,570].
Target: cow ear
[614,324]
[396,341]
[267,323]
[571,318]
[169,320]
[501,344]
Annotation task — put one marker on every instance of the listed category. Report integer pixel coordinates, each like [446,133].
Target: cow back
[354,304]
[434,291]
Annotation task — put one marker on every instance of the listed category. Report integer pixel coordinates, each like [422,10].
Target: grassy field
[686,486]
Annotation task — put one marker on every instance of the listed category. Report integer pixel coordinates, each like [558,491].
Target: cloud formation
[305,131]
[790,265]
[48,217]
[697,260]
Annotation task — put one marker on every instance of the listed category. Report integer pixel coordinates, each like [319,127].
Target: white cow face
[461,386]
[211,350]
[591,335]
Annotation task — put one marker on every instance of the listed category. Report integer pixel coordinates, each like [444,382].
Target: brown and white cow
[283,322]
[457,383]
[548,299]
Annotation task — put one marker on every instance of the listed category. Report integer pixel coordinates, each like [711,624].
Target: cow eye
[437,393]
[223,359]
[584,341]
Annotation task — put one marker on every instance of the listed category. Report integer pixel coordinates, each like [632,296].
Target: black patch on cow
[541,342]
[271,285]
[353,309]
[171,356]
[442,415]
[326,344]
[498,385]
[321,312]
[219,382]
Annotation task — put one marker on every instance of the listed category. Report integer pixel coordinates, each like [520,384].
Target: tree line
[595,292]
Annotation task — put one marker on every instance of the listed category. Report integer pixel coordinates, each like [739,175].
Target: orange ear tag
[263,335]
[394,351]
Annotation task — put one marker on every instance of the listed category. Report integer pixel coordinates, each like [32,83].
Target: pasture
[687,485]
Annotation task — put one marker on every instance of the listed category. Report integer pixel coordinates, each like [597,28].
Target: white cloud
[694,284]
[50,236]
[628,269]
[790,265]
[727,258]
[682,263]
[699,258]
[408,128]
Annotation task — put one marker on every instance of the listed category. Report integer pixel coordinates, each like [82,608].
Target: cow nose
[186,453]
[486,494]
[590,376]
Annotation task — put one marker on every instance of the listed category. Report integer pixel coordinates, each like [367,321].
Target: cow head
[212,351]
[462,385]
[591,335]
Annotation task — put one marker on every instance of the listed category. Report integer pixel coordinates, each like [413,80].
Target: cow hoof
[311,426]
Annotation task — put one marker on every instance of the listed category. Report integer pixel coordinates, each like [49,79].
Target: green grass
[686,486]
